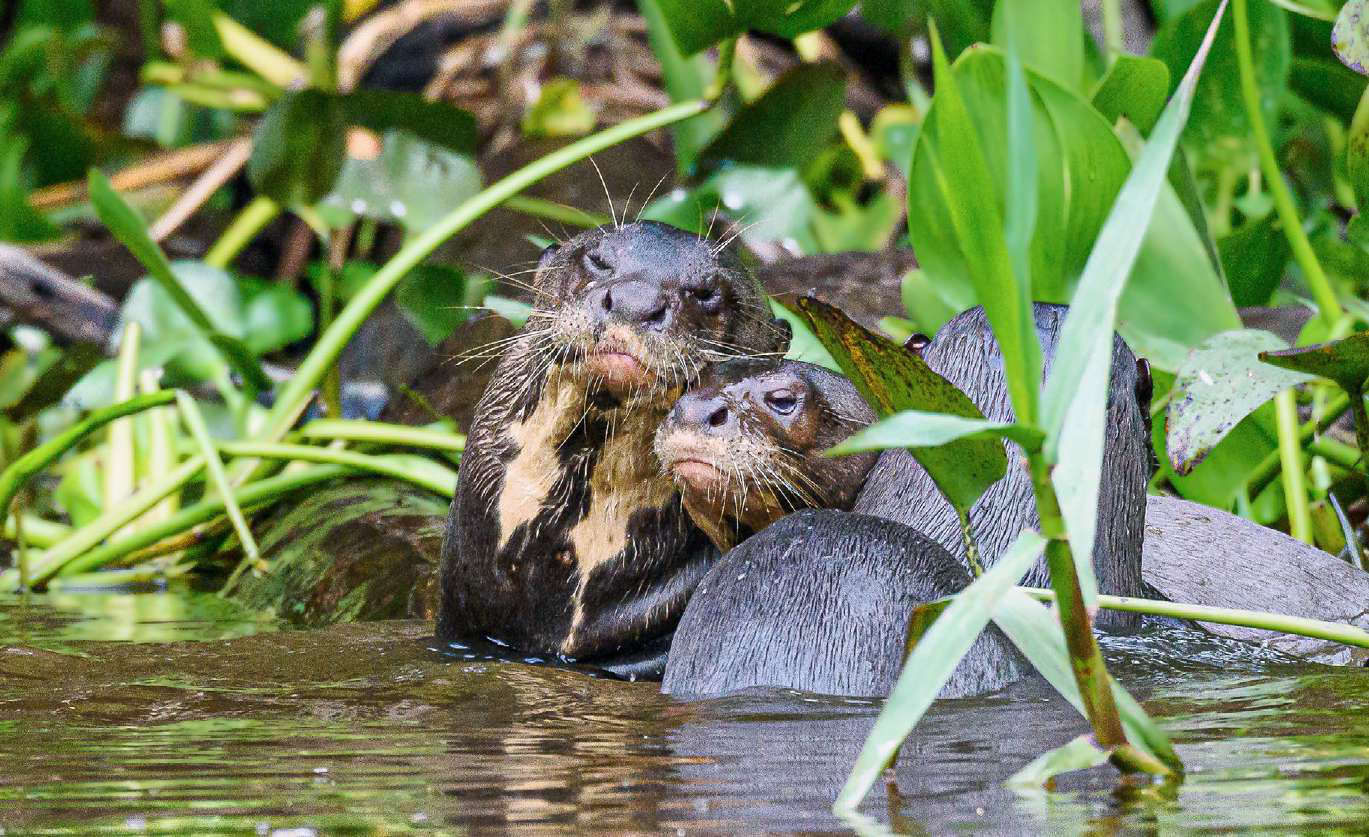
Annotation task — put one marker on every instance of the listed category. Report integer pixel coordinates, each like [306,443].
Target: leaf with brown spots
[893,379]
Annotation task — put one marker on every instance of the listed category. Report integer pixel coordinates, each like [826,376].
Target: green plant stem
[194,422]
[1337,453]
[727,54]
[1291,461]
[439,479]
[258,54]
[1361,422]
[258,492]
[558,212]
[36,531]
[1296,625]
[384,433]
[244,227]
[1114,37]
[19,471]
[1317,281]
[324,355]
[1268,468]
[149,30]
[112,520]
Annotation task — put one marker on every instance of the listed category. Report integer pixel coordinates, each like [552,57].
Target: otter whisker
[612,212]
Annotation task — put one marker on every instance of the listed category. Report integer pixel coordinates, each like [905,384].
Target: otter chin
[745,445]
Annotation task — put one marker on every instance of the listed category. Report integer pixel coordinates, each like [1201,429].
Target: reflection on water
[363,728]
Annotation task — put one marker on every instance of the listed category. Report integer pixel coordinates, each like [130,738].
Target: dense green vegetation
[1156,193]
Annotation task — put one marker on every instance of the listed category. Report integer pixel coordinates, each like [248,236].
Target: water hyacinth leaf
[1350,36]
[954,155]
[1357,152]
[684,77]
[298,148]
[788,126]
[560,111]
[914,428]
[1135,87]
[196,18]
[1079,753]
[1075,396]
[1344,361]
[1255,256]
[1048,36]
[891,378]
[699,24]
[436,122]
[803,344]
[129,228]
[933,661]
[1035,630]
[411,182]
[1222,382]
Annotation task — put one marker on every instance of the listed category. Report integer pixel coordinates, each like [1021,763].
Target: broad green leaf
[918,429]
[298,148]
[18,221]
[1350,36]
[788,125]
[560,111]
[1218,113]
[791,19]
[436,122]
[962,22]
[1255,255]
[1357,152]
[1075,397]
[891,378]
[196,18]
[768,204]
[274,317]
[933,661]
[411,183]
[1019,222]
[803,344]
[684,78]
[1222,382]
[1048,35]
[127,226]
[436,299]
[954,156]
[1035,630]
[1079,753]
[1344,361]
[1135,87]
[699,24]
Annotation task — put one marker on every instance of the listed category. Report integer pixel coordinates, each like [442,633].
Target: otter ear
[783,334]
[548,253]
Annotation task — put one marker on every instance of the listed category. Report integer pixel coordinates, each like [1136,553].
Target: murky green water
[208,721]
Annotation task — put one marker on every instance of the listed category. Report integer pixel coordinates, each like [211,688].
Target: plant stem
[553,211]
[258,54]
[1268,468]
[331,343]
[1114,36]
[727,53]
[271,488]
[1290,458]
[439,479]
[194,422]
[14,477]
[384,433]
[244,227]
[1296,625]
[1317,282]
[36,531]
[1361,423]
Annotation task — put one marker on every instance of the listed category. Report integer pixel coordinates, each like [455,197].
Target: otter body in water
[965,352]
[819,600]
[564,538]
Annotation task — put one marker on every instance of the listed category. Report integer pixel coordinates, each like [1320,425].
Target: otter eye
[597,264]
[782,401]
[709,297]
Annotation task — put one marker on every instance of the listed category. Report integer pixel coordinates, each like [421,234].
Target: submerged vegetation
[1159,194]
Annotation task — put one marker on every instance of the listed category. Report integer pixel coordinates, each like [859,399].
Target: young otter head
[640,309]
[745,445]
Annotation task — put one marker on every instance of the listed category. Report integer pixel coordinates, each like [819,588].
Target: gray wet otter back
[820,602]
[965,352]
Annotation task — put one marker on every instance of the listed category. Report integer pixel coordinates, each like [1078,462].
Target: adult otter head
[640,309]
[745,445]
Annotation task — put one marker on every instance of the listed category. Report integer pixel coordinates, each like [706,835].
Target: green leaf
[699,24]
[1220,384]
[1255,255]
[1218,112]
[412,183]
[685,78]
[1357,152]
[1135,87]
[1079,753]
[918,429]
[788,125]
[559,111]
[961,23]
[436,299]
[298,148]
[439,123]
[891,379]
[18,221]
[196,17]
[1350,36]
[769,205]
[127,226]
[803,344]
[1035,630]
[933,661]
[953,154]
[1019,222]
[274,317]
[789,20]
[1344,361]
[1048,35]
[1075,396]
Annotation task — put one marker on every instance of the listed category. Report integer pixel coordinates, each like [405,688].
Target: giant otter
[965,352]
[565,538]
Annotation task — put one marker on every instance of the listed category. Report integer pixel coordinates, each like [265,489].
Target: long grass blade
[199,431]
[119,453]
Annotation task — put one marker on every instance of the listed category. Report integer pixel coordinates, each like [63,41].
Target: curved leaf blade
[918,429]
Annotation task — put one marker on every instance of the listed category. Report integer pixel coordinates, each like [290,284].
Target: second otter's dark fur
[965,352]
[564,538]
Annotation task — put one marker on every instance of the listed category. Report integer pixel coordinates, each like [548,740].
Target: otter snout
[635,302]
[705,415]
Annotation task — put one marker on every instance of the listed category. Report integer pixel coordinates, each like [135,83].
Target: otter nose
[637,303]
[707,415]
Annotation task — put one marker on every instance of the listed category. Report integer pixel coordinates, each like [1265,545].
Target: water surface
[206,720]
